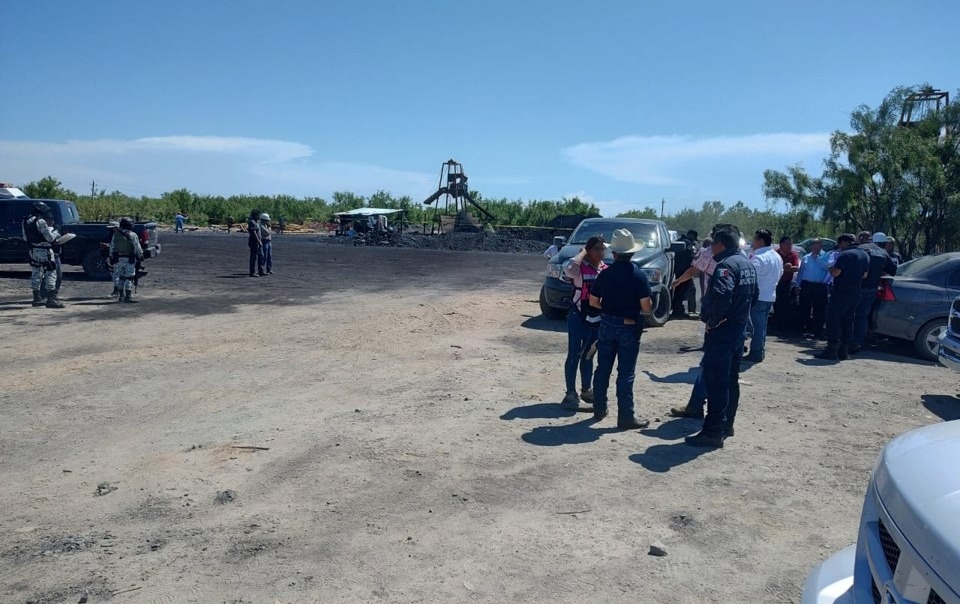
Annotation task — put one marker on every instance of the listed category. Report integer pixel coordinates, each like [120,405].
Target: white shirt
[769,267]
[551,252]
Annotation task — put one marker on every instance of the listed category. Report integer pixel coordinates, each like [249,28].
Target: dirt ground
[413,448]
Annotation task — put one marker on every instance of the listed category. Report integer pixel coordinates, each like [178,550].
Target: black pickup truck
[83,250]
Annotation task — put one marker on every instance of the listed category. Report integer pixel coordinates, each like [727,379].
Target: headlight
[554,270]
[654,275]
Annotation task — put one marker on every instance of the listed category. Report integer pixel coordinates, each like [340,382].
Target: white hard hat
[879,237]
[264,216]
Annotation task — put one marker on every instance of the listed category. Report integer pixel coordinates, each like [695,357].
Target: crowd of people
[821,294]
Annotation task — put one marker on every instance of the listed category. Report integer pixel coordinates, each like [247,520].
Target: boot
[128,296]
[38,298]
[829,353]
[115,292]
[570,402]
[586,395]
[843,353]
[633,424]
[708,441]
[686,412]
[53,301]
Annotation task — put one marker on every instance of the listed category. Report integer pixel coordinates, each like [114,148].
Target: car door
[13,248]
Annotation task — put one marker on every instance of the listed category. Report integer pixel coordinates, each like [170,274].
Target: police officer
[725,311]
[622,293]
[41,234]
[125,252]
[848,271]
[255,243]
[880,265]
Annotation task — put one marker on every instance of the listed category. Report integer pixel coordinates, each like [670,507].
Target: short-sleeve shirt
[704,262]
[852,263]
[790,257]
[620,288]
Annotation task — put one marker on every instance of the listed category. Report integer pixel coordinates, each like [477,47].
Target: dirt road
[412,447]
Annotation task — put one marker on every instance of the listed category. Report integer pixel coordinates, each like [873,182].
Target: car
[84,250]
[908,544]
[656,259]
[828,245]
[914,305]
[949,351]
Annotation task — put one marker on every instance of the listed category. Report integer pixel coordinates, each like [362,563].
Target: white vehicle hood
[918,481]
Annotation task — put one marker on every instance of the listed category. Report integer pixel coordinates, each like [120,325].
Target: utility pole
[663,203]
[93,189]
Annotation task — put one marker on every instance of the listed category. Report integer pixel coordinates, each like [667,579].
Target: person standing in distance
[41,235]
[813,277]
[583,321]
[681,264]
[255,243]
[125,252]
[891,248]
[178,222]
[725,311]
[622,294]
[105,245]
[267,239]
[791,264]
[848,271]
[554,249]
[769,266]
[880,265]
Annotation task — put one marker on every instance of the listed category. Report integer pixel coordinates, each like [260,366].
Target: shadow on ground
[674,429]
[663,458]
[572,434]
[541,323]
[538,411]
[681,377]
[944,406]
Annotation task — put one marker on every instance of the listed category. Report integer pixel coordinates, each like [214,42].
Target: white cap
[880,238]
[264,216]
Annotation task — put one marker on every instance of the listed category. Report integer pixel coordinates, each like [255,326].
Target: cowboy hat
[624,243]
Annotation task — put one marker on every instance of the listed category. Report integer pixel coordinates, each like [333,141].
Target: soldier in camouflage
[41,234]
[125,253]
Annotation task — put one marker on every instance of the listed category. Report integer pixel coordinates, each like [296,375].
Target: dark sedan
[915,305]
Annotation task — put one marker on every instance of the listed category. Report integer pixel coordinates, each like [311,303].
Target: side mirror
[678,246]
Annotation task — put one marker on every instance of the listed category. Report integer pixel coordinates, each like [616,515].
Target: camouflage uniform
[125,251]
[43,260]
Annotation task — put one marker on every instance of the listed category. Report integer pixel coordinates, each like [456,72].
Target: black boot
[115,292]
[38,298]
[53,301]
[128,296]
[704,440]
[843,353]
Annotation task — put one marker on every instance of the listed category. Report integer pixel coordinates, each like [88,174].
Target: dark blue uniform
[842,309]
[726,310]
[879,265]
[620,288]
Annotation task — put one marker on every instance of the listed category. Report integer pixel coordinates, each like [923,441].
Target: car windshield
[920,265]
[643,233]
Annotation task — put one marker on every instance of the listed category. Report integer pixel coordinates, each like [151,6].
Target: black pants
[782,308]
[256,259]
[840,315]
[680,296]
[813,306]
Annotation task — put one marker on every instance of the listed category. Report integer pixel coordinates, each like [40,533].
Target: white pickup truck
[908,548]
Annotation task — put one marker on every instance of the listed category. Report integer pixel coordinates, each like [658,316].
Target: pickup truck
[908,547]
[656,259]
[83,250]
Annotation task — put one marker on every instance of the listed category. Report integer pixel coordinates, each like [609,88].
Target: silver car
[915,304]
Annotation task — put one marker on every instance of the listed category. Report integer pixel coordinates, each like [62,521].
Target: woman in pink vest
[582,322]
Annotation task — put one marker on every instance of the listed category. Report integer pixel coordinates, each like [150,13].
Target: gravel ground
[409,445]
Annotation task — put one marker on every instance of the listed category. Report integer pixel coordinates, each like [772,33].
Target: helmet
[40,209]
[265,217]
[126,224]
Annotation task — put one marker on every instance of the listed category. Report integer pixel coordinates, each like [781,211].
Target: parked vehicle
[915,304]
[83,250]
[656,260]
[804,246]
[949,351]
[908,546]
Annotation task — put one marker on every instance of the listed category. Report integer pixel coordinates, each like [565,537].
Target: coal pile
[459,242]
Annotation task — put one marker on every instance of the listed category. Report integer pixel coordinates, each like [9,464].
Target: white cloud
[205,164]
[676,160]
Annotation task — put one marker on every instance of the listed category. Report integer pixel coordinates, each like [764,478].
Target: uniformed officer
[848,271]
[112,227]
[622,293]
[41,234]
[725,311]
[880,265]
[125,252]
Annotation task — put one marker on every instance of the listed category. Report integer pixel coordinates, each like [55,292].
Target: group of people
[259,240]
[740,291]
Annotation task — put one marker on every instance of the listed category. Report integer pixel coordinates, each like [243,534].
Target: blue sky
[620,102]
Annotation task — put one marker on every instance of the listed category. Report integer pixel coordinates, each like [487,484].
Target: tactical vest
[122,245]
[31,232]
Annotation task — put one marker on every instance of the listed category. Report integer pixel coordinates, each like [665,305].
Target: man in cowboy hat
[622,293]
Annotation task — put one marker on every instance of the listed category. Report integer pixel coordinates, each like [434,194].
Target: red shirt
[789,258]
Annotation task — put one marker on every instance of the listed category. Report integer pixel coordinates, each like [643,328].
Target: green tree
[48,187]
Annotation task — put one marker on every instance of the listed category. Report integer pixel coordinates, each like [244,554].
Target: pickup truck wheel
[95,266]
[926,341]
[548,311]
[661,314]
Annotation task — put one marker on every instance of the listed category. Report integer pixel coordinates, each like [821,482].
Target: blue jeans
[759,315]
[268,255]
[864,305]
[580,338]
[256,259]
[698,397]
[722,353]
[621,342]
